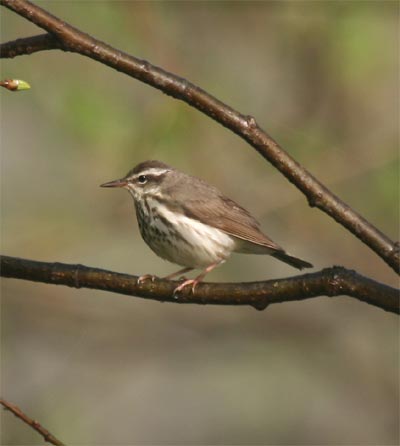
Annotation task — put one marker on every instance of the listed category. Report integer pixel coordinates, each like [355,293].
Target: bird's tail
[290,260]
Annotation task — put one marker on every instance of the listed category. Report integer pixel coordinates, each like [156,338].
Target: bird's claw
[186,283]
[144,278]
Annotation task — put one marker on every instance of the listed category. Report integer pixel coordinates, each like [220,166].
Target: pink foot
[178,289]
[144,278]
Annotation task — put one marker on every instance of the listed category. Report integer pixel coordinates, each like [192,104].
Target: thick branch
[334,281]
[48,437]
[71,39]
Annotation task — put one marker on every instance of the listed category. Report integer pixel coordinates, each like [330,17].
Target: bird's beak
[116,183]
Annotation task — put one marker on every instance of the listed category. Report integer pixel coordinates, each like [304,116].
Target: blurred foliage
[322,78]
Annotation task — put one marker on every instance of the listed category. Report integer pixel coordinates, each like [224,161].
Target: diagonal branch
[334,281]
[68,38]
[48,437]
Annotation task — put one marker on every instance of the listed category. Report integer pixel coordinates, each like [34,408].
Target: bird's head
[144,179]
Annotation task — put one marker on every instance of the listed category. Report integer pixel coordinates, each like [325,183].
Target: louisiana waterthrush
[191,223]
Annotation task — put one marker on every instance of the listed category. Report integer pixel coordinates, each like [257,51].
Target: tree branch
[334,281]
[48,437]
[68,38]
[28,45]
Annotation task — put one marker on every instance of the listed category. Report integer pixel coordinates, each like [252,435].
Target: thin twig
[48,437]
[28,45]
[71,39]
[335,281]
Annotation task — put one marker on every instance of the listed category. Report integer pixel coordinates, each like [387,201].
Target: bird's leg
[197,279]
[181,271]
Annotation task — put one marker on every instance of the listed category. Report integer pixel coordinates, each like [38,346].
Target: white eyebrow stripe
[153,171]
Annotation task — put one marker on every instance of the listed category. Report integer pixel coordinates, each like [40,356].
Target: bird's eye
[142,179]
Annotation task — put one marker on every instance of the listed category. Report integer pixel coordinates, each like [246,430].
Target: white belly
[196,245]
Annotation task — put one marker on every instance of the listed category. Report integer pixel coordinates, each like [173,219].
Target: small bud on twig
[15,84]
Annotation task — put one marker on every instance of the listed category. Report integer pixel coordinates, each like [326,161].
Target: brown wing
[223,213]
[239,223]
[198,200]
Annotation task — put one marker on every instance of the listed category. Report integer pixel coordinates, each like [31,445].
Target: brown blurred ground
[98,368]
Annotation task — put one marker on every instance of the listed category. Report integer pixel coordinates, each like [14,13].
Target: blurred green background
[98,368]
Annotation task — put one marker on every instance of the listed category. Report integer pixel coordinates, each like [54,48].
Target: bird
[191,223]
